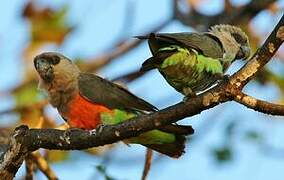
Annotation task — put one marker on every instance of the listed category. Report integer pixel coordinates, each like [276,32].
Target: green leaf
[26,95]
[102,170]
[57,155]
[223,154]
[253,135]
[229,128]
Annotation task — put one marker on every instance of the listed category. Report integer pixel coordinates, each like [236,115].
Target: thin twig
[43,165]
[129,77]
[228,6]
[147,164]
[29,168]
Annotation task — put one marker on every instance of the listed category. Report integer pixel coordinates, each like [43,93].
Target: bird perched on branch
[87,101]
[192,62]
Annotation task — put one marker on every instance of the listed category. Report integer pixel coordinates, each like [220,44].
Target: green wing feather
[187,68]
[150,137]
[204,43]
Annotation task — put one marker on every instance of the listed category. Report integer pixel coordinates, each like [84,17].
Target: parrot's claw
[222,77]
[225,78]
[99,129]
[188,94]
[93,131]
[219,76]
[185,98]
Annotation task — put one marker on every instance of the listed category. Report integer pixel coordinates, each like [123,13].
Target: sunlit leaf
[27,94]
[56,155]
[24,97]
[99,151]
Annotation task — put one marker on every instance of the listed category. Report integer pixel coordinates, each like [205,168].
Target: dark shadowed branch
[25,140]
[127,78]
[236,15]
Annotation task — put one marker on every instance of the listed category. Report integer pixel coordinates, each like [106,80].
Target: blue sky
[101,23]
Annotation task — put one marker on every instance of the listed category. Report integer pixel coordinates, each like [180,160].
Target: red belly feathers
[84,114]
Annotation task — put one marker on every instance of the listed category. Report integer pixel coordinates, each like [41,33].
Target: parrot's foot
[225,78]
[186,98]
[100,128]
[188,94]
[219,76]
[222,77]
[93,131]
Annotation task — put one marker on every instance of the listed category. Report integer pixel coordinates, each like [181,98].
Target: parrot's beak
[44,69]
[246,52]
[243,53]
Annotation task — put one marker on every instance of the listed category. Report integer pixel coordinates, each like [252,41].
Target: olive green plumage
[192,62]
[169,140]
[151,137]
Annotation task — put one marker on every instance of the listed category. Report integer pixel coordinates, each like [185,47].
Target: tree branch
[259,105]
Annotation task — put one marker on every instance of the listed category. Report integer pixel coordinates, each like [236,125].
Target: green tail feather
[164,142]
[174,149]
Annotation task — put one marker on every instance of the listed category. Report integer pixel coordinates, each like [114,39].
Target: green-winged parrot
[192,62]
[87,101]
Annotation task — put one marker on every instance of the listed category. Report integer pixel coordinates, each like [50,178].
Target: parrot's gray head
[58,76]
[233,39]
[52,65]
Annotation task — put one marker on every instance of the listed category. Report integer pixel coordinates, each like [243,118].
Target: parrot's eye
[55,59]
[240,39]
[240,54]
